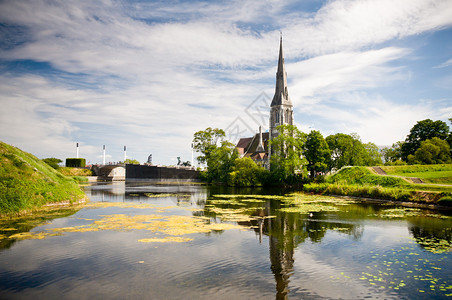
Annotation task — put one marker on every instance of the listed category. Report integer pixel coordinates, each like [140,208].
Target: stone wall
[157,172]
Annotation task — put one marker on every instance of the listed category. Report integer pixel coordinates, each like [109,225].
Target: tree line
[429,142]
[297,157]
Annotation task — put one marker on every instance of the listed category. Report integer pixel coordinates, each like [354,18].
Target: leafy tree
[317,153]
[348,150]
[393,154]
[373,156]
[287,149]
[423,130]
[53,162]
[206,141]
[183,163]
[449,138]
[246,173]
[220,162]
[131,161]
[433,151]
[340,145]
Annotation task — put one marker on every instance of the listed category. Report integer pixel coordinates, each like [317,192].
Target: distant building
[281,112]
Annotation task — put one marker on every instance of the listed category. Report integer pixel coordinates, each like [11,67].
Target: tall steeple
[281,96]
[281,108]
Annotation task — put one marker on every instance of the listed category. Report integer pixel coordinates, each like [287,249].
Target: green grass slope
[362,182]
[436,174]
[27,183]
[362,176]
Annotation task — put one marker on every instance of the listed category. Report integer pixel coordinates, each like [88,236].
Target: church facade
[281,113]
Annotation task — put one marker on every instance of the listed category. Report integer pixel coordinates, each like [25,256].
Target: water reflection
[16,225]
[217,260]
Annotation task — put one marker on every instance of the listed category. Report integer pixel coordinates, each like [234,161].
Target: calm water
[148,241]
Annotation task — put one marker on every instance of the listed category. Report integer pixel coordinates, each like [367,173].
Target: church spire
[260,144]
[281,96]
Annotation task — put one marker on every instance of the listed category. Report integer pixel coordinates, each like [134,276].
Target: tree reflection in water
[285,231]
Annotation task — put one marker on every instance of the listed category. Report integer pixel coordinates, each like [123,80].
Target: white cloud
[152,83]
[374,118]
[348,25]
[445,64]
[344,71]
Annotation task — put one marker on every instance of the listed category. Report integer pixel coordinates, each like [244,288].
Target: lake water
[154,241]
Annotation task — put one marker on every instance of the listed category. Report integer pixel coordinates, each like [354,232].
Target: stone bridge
[110,172]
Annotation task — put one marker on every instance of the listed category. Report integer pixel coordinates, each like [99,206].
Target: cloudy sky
[148,74]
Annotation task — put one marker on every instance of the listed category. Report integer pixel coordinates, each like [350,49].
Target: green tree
[317,153]
[340,145]
[220,162]
[131,161]
[348,150]
[53,162]
[449,138]
[286,153]
[393,154]
[206,141]
[373,156]
[423,130]
[432,151]
[246,172]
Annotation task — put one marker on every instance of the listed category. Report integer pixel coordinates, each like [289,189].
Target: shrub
[75,171]
[369,191]
[75,162]
[53,162]
[316,188]
[446,201]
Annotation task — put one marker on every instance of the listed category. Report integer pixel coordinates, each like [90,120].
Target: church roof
[281,96]
[249,146]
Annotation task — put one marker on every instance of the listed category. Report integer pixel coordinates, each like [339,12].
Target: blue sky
[148,74]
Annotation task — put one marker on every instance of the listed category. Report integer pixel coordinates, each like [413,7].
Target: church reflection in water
[286,231]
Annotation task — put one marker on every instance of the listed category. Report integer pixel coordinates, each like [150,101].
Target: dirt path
[379,171]
[414,180]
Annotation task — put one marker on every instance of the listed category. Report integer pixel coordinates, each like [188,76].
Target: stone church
[281,112]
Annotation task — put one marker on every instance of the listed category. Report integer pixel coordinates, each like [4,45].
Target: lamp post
[103,160]
[192,149]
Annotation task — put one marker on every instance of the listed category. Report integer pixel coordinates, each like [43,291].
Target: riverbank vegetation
[302,161]
[436,174]
[362,182]
[27,183]
[69,171]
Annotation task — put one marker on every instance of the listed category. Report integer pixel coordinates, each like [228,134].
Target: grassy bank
[27,183]
[436,174]
[361,182]
[68,171]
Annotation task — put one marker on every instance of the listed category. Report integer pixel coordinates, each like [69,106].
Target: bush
[446,201]
[75,171]
[369,191]
[53,162]
[246,173]
[316,188]
[320,179]
[75,162]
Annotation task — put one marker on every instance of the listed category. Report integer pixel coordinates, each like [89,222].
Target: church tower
[281,108]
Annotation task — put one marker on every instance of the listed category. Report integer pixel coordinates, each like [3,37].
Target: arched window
[276,117]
